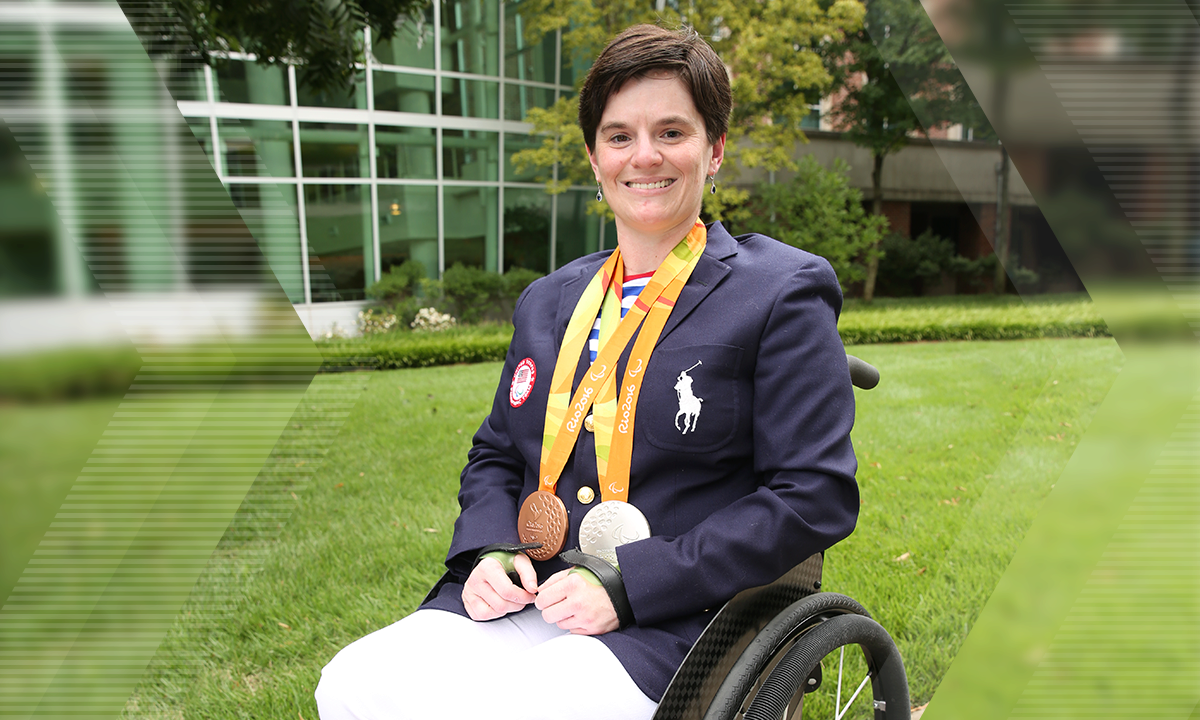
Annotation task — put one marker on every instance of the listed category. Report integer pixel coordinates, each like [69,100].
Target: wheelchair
[787,650]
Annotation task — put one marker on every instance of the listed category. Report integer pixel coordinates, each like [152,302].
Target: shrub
[471,291]
[909,266]
[516,280]
[399,282]
[68,374]
[820,212]
[474,294]
[408,350]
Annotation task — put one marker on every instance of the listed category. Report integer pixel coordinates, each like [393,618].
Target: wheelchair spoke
[837,702]
[850,702]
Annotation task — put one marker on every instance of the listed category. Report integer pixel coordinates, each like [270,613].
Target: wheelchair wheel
[823,657]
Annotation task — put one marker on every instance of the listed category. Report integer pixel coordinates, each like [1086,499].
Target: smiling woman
[621,490]
[651,157]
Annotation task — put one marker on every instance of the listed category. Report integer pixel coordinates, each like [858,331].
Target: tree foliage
[773,52]
[771,48]
[325,36]
[896,40]
[890,73]
[819,211]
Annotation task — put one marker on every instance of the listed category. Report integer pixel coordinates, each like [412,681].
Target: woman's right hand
[489,594]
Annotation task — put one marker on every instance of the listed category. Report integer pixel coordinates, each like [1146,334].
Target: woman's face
[652,156]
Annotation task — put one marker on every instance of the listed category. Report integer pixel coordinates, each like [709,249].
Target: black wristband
[509,548]
[610,579]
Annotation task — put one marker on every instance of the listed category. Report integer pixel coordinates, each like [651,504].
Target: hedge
[973,317]
[62,375]
[68,374]
[417,349]
[884,321]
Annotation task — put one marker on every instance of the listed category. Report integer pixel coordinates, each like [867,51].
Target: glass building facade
[413,163]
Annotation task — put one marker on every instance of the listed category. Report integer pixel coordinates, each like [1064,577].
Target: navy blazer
[763,479]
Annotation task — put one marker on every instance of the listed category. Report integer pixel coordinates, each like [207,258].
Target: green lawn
[957,446]
[42,448]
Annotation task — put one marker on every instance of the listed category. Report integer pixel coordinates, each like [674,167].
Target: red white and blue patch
[522,382]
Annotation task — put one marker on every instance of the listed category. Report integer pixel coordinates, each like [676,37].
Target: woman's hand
[489,594]
[574,604]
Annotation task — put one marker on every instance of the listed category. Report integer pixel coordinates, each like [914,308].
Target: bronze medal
[543,519]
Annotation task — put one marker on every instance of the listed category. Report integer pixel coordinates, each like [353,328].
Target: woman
[704,454]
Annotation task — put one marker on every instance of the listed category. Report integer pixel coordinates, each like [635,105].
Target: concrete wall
[924,171]
[321,319]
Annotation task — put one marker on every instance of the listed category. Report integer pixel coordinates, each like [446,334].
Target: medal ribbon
[564,411]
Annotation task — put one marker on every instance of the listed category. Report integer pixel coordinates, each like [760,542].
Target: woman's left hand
[574,604]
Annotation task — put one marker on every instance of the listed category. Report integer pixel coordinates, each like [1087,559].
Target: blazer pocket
[691,400]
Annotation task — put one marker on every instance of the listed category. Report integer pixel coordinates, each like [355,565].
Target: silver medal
[609,524]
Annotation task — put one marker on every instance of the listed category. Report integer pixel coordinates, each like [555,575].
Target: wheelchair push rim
[779,675]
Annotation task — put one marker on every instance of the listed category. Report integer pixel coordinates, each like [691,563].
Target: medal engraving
[543,519]
[610,524]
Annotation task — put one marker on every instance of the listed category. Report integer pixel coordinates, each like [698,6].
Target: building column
[140,139]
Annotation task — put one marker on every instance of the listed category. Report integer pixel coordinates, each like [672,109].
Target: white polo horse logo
[689,404]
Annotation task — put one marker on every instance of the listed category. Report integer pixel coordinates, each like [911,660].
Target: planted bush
[68,374]
[475,295]
[819,211]
[398,283]
[471,291]
[407,350]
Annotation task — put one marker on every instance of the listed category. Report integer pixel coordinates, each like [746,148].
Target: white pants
[435,664]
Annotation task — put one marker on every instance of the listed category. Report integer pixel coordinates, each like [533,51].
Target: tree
[896,40]
[323,35]
[988,37]
[820,212]
[587,26]
[771,49]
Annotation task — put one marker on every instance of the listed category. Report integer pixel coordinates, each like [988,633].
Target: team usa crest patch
[522,382]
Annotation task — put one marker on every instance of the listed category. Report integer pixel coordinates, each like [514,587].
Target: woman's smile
[649,184]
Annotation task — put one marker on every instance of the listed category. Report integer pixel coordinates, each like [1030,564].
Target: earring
[599,193]
[712,179]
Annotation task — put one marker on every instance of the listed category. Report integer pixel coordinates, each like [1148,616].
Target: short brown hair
[642,49]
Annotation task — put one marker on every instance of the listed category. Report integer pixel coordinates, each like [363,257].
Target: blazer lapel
[569,296]
[708,274]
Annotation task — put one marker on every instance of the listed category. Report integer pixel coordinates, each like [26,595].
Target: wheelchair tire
[781,671]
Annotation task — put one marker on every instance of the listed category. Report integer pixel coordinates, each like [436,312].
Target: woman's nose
[646,154]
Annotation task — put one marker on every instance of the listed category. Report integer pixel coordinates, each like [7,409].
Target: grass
[958,447]
[42,448]
[364,543]
[368,532]
[358,556]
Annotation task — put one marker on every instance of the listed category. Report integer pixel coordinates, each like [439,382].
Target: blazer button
[586,494]
[589,423]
